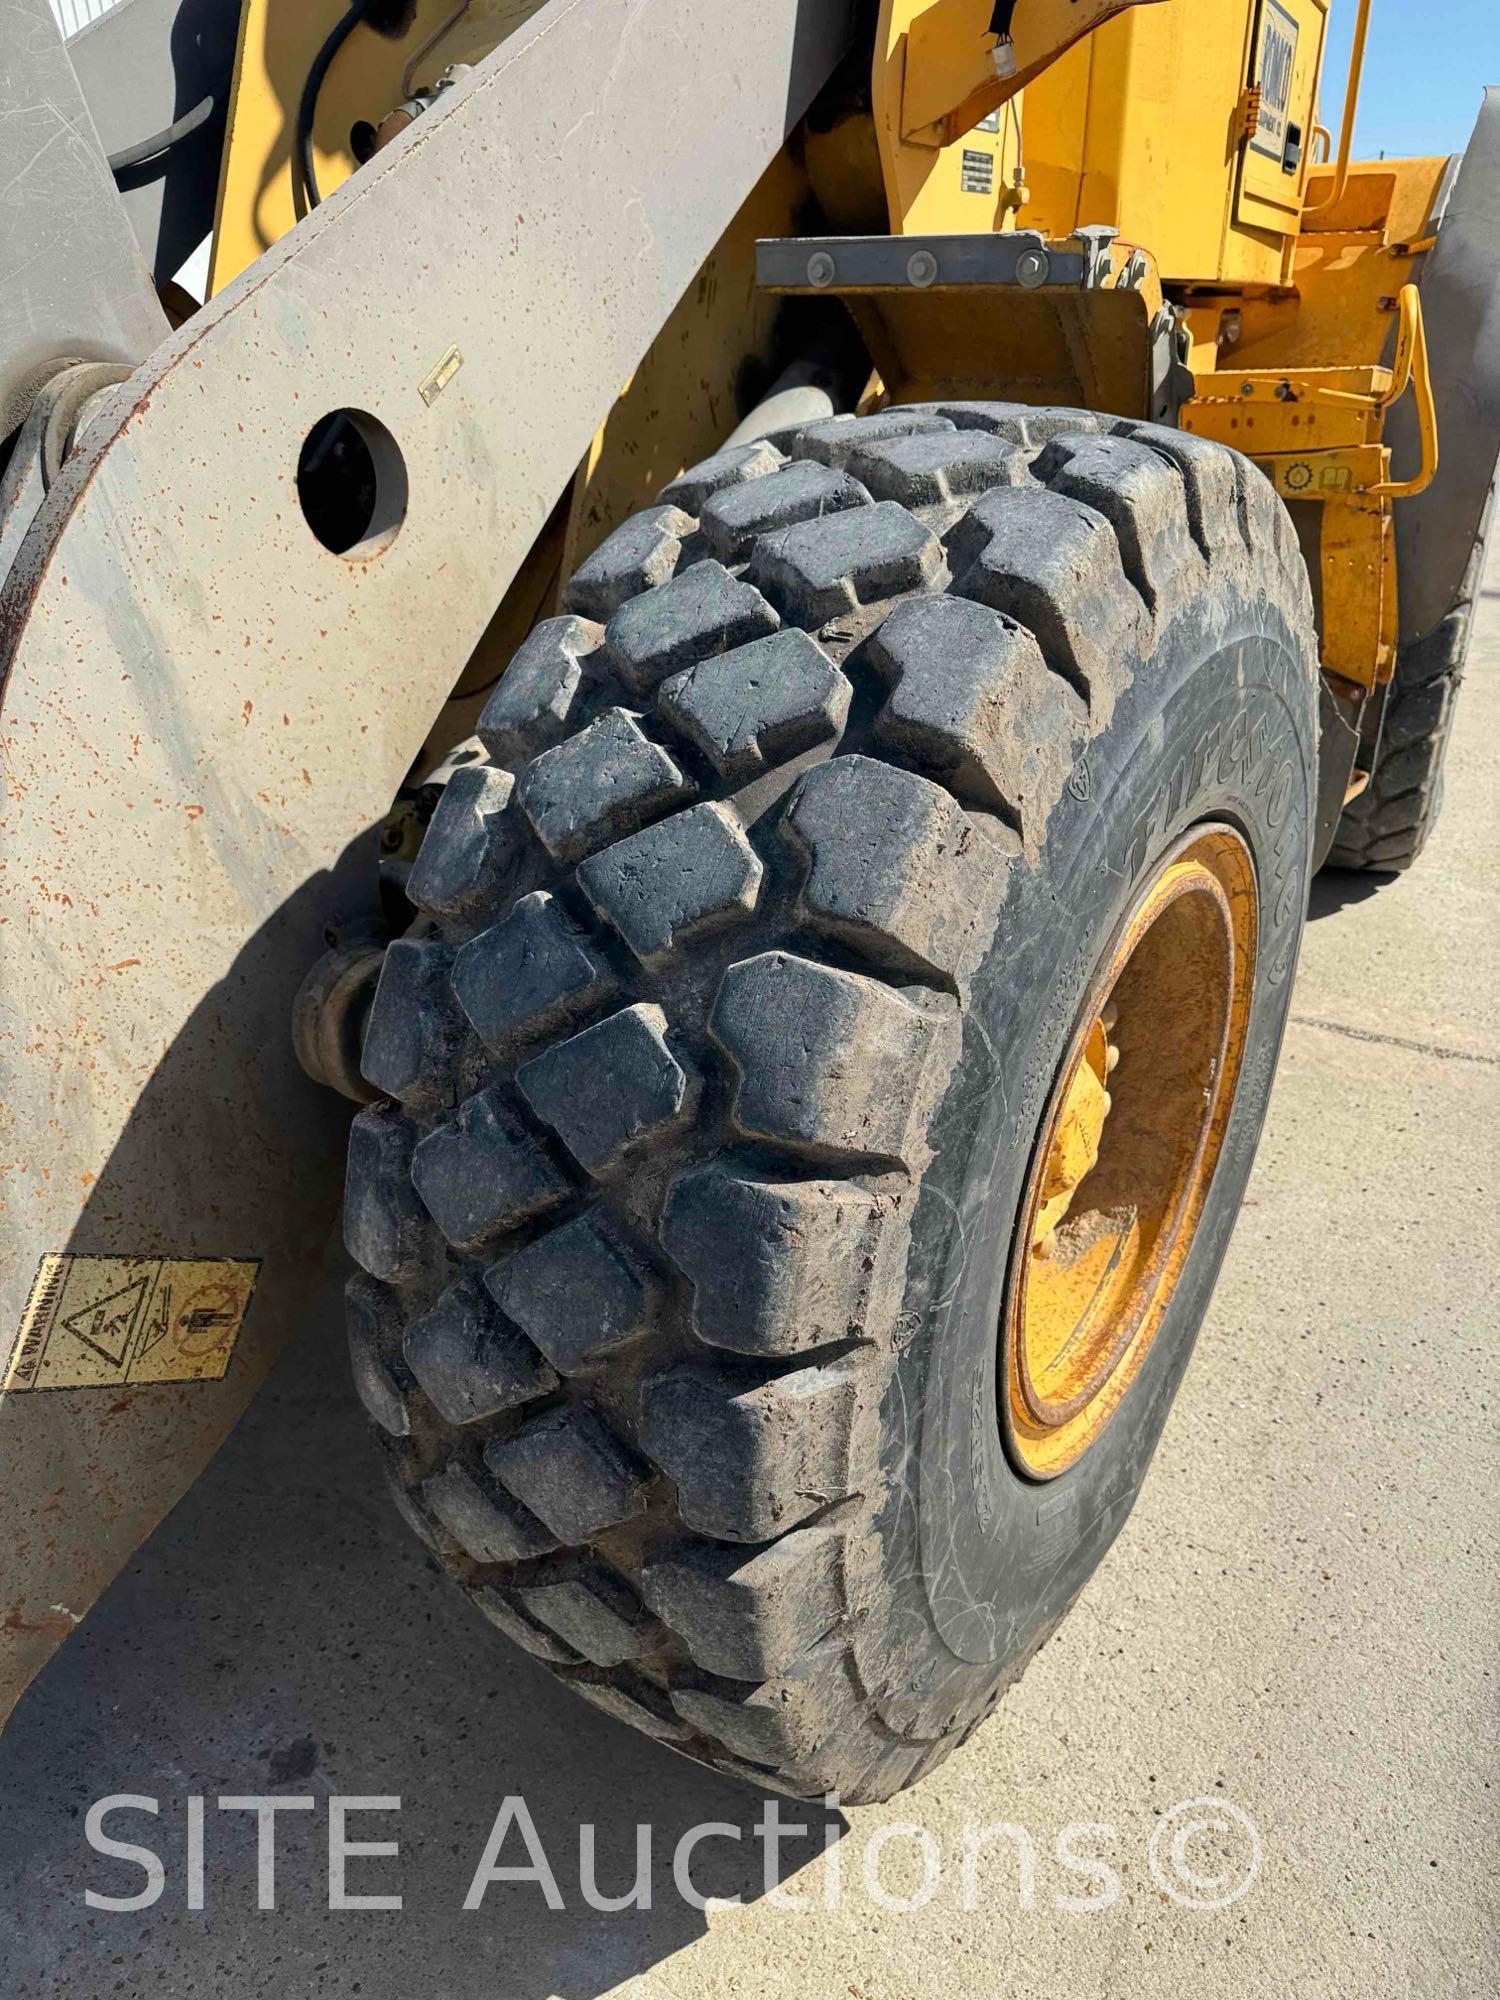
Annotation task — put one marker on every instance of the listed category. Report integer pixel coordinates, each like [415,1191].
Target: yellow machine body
[1190,127]
[1153,124]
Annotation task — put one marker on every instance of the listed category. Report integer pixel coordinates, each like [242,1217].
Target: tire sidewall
[1220,724]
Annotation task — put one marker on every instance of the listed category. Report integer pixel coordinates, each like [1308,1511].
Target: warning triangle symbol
[106,1324]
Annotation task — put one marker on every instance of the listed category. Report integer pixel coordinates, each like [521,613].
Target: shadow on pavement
[1335,889]
[283,1633]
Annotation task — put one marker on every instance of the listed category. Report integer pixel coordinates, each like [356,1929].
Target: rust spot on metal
[51,1625]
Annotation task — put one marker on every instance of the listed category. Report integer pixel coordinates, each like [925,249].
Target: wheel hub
[1074,1151]
[1127,1148]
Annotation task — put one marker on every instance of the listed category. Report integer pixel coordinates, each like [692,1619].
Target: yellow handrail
[1351,104]
[1411,367]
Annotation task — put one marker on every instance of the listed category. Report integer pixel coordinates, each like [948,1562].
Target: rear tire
[716,1062]
[1386,827]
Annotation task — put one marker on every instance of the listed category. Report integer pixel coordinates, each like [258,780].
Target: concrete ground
[1299,1622]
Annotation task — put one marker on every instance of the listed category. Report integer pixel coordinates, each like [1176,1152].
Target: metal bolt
[820,269]
[1033,268]
[921,267]
[1247,388]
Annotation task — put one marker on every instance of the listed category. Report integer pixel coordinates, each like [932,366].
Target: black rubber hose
[145,149]
[309,104]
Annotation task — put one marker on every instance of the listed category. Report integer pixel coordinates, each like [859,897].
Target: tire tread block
[935,470]
[750,1458]
[1021,423]
[472,845]
[973,701]
[735,519]
[611,1089]
[483,1172]
[759,705]
[578,1293]
[895,867]
[374,1329]
[1143,498]
[640,555]
[628,1697]
[780,1722]
[748,1613]
[537,698]
[1213,479]
[776,1268]
[505,1612]
[593,1610]
[703,611]
[731,467]
[572,1472]
[606,781]
[413,1033]
[485,1522]
[384,1225]
[829,1063]
[823,569]
[833,441]
[1052,564]
[468,1362]
[533,971]
[675,881]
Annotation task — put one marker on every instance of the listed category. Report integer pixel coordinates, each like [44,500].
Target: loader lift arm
[204,712]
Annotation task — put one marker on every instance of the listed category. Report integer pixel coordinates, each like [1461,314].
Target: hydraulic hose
[145,149]
[307,108]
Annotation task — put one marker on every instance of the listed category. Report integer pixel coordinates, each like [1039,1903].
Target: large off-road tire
[1386,826]
[717,1064]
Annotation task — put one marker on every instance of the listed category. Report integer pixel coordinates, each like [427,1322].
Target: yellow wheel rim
[1127,1149]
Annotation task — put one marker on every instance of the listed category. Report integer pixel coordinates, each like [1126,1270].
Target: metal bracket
[1074,320]
[1020,257]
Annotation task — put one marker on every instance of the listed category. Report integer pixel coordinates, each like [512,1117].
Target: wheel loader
[746,626]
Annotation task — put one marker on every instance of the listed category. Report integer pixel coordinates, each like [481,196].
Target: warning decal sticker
[100,1322]
[1278,58]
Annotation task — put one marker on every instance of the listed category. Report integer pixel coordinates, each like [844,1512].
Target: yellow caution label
[100,1322]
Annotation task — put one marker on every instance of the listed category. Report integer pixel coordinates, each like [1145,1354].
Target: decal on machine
[103,1322]
[977,171]
[1278,59]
